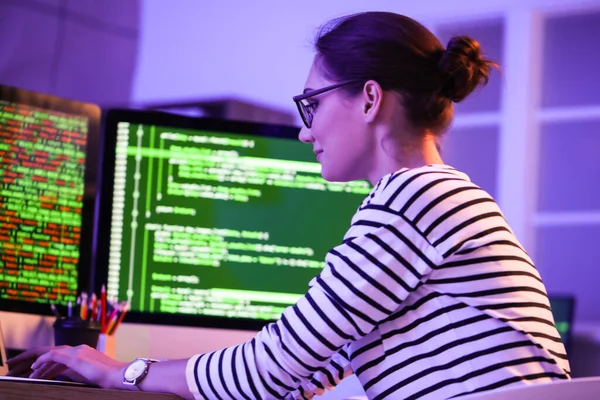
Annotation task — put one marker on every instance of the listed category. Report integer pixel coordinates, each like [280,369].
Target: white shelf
[566,218]
[559,114]
[469,120]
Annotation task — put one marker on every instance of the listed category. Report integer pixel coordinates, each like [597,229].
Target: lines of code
[220,224]
[42,158]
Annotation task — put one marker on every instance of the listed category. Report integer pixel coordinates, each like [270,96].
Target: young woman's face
[338,136]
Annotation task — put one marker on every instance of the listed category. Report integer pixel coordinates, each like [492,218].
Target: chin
[336,176]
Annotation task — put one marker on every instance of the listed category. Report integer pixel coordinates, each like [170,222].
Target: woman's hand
[81,363]
[87,365]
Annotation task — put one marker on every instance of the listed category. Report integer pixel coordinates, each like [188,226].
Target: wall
[190,49]
[83,50]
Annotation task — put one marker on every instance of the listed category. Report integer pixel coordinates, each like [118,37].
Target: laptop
[4,371]
[3,364]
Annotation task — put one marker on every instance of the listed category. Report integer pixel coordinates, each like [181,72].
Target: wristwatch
[137,370]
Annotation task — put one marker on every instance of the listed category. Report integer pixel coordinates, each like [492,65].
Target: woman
[429,296]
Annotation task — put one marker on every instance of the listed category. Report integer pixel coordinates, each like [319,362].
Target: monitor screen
[45,211]
[211,222]
[563,308]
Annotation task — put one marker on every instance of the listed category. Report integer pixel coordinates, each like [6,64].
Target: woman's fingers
[53,371]
[59,355]
[20,365]
[40,371]
[83,363]
[28,355]
[21,370]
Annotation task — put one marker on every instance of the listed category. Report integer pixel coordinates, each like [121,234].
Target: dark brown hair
[402,55]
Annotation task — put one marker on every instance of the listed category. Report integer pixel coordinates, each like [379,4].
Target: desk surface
[23,390]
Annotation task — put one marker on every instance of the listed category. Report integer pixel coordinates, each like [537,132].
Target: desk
[23,390]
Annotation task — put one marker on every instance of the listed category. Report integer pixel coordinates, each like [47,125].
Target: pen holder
[107,344]
[74,332]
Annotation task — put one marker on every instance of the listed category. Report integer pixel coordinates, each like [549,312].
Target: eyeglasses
[305,108]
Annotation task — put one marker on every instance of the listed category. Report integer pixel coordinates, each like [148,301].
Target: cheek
[344,144]
[330,125]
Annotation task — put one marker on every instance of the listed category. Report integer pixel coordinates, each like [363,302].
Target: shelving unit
[532,139]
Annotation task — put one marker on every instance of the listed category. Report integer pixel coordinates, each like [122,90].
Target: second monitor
[47,183]
[211,222]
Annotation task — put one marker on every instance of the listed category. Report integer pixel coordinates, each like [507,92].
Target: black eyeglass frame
[307,115]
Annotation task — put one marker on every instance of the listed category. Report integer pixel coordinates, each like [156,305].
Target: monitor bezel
[159,118]
[93,113]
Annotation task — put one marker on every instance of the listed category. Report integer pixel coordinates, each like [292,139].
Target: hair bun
[463,68]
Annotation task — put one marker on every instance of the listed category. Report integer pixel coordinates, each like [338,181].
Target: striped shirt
[429,296]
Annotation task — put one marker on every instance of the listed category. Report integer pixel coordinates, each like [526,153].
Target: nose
[305,135]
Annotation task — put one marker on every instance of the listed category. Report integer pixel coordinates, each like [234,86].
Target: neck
[420,153]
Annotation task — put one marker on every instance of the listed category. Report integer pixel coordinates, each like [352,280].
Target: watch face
[135,369]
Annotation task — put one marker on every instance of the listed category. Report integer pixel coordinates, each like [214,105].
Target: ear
[372,96]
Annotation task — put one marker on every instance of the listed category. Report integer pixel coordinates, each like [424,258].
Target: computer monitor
[213,223]
[563,310]
[47,179]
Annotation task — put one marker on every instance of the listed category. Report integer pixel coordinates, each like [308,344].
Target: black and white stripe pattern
[430,296]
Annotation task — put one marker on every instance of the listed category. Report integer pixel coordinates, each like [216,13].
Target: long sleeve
[381,261]
[326,378]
